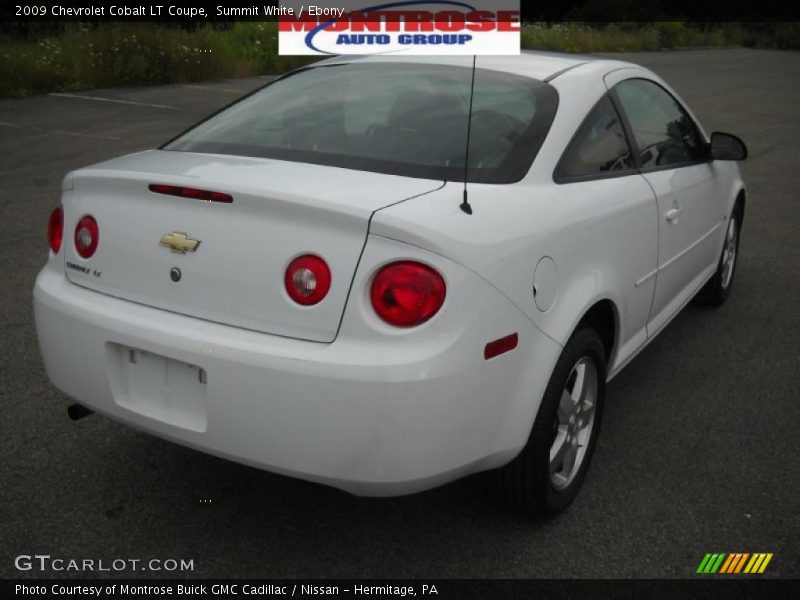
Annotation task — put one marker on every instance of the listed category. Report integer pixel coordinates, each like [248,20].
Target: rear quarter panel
[602,234]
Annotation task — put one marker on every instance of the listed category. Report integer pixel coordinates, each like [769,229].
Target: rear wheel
[547,474]
[718,288]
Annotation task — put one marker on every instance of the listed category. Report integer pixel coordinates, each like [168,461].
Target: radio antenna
[465,205]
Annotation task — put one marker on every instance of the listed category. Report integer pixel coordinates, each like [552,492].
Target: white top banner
[410,27]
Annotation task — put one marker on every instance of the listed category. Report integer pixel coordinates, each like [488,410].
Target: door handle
[672,214]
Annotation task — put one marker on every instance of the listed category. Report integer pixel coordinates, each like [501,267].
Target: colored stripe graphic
[703,563]
[754,563]
[764,564]
[758,563]
[711,562]
[729,562]
[734,562]
[718,562]
[741,562]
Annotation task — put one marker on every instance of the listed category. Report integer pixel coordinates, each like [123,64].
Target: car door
[599,165]
[673,157]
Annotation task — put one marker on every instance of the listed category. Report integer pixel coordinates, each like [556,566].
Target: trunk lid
[280,210]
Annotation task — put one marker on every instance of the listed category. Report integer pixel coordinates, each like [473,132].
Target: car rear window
[395,118]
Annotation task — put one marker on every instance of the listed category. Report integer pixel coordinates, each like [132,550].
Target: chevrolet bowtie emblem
[179,242]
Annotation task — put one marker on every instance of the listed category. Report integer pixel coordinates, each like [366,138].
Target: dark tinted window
[396,118]
[599,147]
[662,130]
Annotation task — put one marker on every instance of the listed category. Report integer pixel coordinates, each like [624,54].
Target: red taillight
[87,236]
[407,293]
[185,192]
[55,229]
[307,279]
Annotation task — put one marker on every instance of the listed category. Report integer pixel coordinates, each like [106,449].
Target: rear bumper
[372,418]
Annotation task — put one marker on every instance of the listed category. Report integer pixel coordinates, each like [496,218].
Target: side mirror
[725,146]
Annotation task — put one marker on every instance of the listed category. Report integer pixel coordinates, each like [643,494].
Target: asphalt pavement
[699,450]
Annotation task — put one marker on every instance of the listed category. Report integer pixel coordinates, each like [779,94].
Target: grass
[583,37]
[631,36]
[83,57]
[80,56]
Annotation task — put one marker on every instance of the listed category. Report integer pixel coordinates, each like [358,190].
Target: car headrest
[420,110]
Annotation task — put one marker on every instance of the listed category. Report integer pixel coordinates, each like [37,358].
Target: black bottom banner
[529,589]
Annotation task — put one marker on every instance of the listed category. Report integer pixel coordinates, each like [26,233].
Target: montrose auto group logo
[400,27]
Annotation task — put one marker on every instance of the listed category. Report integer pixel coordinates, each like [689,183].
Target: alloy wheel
[574,423]
[729,252]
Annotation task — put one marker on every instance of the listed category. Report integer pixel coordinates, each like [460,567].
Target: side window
[663,132]
[599,147]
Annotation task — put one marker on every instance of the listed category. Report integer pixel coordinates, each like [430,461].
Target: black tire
[525,484]
[718,288]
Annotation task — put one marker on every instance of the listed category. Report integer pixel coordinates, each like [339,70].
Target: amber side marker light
[501,346]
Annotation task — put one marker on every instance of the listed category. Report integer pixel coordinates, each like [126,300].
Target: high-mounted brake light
[307,280]
[185,192]
[55,229]
[87,236]
[407,293]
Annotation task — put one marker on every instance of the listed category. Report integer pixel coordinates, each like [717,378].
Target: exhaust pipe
[77,411]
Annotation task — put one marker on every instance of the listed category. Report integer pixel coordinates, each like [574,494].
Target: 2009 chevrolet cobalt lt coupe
[385,273]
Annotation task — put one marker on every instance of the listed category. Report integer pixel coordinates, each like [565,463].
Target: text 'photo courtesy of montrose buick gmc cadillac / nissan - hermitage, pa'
[386,273]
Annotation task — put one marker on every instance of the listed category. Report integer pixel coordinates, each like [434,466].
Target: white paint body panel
[281,210]
[376,412]
[332,394]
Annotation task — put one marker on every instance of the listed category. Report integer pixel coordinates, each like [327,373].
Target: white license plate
[161,388]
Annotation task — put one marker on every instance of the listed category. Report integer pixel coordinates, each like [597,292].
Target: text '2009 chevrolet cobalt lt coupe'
[386,273]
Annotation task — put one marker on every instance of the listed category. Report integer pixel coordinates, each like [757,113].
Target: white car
[311,282]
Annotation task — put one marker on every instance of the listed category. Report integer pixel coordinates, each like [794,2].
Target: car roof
[543,66]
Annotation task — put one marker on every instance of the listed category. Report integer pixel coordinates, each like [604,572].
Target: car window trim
[626,127]
[559,179]
[632,139]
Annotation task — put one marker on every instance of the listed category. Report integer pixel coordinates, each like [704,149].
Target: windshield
[395,118]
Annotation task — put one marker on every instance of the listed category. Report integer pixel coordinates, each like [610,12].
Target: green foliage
[84,57]
[46,57]
[783,36]
[636,36]
[672,34]
[584,37]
